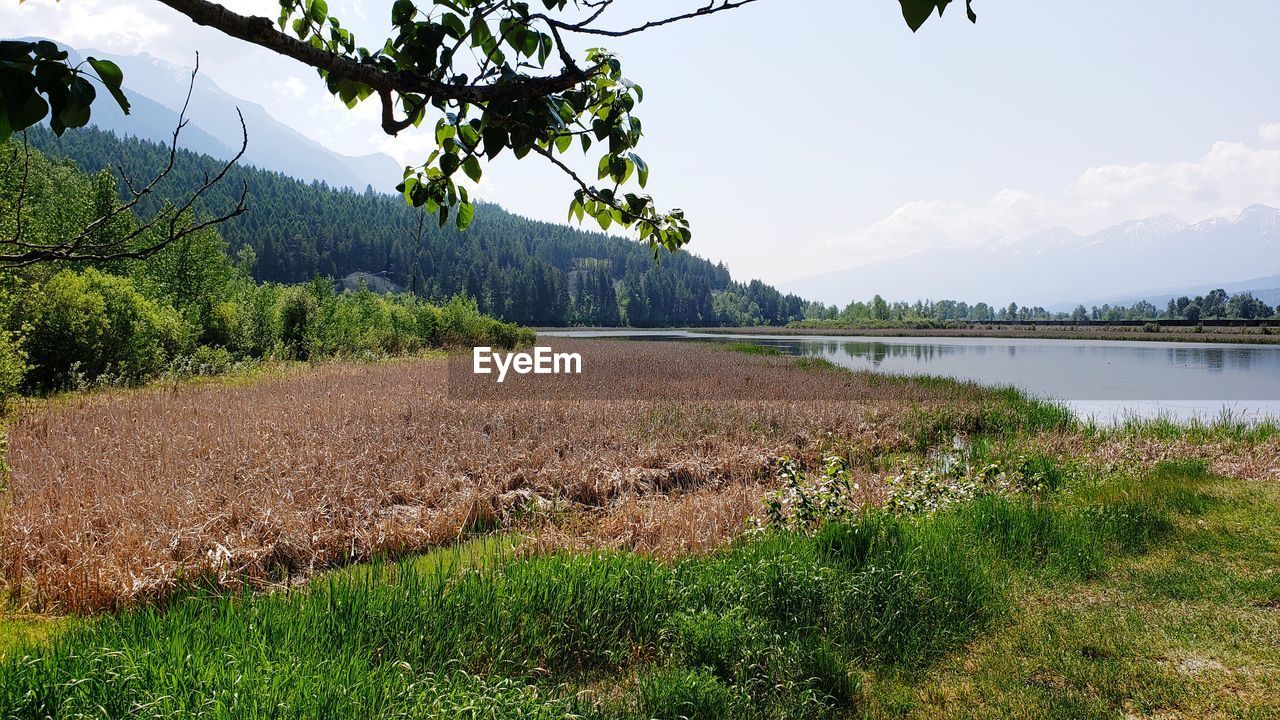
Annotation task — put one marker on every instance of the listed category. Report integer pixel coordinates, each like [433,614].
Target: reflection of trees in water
[1215,359]
[876,352]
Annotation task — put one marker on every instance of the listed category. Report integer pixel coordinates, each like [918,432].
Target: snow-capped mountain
[156,90]
[1058,266]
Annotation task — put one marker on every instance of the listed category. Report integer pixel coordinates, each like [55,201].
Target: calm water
[1105,379]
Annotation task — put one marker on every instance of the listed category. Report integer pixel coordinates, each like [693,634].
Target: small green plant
[804,502]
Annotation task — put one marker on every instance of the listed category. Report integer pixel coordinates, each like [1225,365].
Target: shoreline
[1222,336]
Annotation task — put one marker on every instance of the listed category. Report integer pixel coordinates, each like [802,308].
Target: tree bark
[262,32]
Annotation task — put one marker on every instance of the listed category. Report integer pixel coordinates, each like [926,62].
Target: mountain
[1266,289]
[1059,267]
[156,90]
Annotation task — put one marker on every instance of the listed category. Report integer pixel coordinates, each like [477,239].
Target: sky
[803,136]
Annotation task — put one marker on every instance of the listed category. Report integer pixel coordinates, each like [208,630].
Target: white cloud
[118,27]
[1270,133]
[291,87]
[1230,176]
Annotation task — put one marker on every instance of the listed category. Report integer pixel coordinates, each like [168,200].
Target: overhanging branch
[262,32]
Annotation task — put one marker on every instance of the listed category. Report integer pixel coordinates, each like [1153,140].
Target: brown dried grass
[127,496]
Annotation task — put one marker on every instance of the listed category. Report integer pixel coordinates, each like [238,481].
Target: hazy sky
[802,136]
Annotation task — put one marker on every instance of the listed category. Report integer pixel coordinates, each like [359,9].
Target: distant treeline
[517,269]
[1216,305]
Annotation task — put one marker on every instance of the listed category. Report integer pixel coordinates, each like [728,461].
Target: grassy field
[808,543]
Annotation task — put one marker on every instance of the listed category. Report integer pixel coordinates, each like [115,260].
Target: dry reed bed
[126,496]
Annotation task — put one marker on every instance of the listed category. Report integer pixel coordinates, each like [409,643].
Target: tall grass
[1227,425]
[778,625]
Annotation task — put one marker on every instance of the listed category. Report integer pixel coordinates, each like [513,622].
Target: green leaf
[32,110]
[471,166]
[80,97]
[318,10]
[495,139]
[454,25]
[642,169]
[402,12]
[449,163]
[466,214]
[112,77]
[915,12]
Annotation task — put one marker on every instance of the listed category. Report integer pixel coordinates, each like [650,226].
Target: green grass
[1182,622]
[750,348]
[18,632]
[779,625]
[1226,426]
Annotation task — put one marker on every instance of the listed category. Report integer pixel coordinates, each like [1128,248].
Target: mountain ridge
[1057,266]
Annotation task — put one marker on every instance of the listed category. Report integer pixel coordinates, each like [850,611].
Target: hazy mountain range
[1266,289]
[156,90]
[1060,268]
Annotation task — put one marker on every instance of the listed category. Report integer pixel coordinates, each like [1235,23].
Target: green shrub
[220,323]
[92,325]
[207,360]
[461,323]
[13,366]
[429,320]
[298,317]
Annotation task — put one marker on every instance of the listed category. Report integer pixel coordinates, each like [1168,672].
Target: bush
[13,366]
[298,313]
[92,325]
[208,360]
[220,323]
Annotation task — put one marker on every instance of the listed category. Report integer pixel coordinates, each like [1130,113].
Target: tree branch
[584,27]
[262,32]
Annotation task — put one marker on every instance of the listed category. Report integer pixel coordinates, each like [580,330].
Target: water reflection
[1069,370]
[1109,375]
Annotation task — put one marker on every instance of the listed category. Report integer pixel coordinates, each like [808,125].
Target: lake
[1107,380]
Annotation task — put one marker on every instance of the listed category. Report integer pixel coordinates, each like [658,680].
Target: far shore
[1236,335]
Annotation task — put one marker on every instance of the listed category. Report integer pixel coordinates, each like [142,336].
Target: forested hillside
[188,308]
[520,270]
